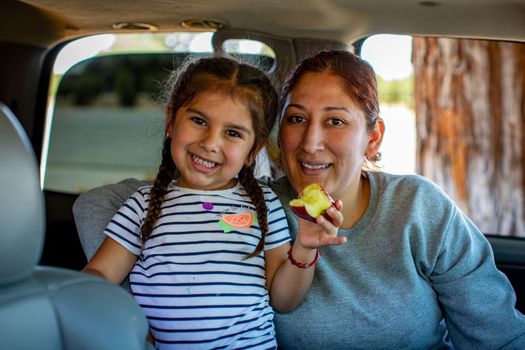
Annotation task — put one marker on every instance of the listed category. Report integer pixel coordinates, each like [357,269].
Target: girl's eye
[233,133]
[198,121]
[295,119]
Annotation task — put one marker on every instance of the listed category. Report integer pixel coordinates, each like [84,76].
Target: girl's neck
[355,202]
[185,184]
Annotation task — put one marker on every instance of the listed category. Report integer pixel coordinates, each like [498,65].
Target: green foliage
[396,91]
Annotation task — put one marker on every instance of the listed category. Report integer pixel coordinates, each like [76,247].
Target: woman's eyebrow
[295,105]
[329,109]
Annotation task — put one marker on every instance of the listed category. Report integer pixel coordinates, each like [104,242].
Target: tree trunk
[470,117]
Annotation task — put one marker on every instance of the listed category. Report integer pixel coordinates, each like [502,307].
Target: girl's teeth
[203,162]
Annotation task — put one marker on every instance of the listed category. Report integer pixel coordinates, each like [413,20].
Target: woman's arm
[288,283]
[112,262]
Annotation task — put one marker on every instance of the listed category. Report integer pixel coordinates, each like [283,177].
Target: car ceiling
[46,22]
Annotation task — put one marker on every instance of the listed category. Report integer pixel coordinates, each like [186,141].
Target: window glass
[453,113]
[390,55]
[106,108]
[251,51]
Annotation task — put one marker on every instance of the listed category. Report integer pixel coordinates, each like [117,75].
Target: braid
[256,195]
[159,189]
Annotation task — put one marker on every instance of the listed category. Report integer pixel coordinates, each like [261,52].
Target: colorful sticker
[230,222]
[207,206]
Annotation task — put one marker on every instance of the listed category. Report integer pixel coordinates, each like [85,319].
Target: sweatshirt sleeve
[477,299]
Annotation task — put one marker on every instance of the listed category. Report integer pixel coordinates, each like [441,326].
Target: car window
[450,107]
[106,112]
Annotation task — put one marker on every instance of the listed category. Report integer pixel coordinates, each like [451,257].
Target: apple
[312,202]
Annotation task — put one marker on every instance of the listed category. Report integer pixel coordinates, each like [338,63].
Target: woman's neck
[355,202]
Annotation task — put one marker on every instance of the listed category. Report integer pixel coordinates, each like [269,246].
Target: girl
[208,250]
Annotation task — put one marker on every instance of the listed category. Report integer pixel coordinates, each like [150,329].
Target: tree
[469,102]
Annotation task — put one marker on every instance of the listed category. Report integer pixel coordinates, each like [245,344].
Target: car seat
[48,307]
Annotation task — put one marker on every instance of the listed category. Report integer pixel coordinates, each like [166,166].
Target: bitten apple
[312,202]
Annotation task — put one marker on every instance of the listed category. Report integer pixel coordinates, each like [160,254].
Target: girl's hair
[357,74]
[239,80]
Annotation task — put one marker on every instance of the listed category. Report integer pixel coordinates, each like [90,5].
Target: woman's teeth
[315,166]
[203,162]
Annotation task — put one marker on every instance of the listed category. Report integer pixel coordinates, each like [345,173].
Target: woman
[415,273]
[411,260]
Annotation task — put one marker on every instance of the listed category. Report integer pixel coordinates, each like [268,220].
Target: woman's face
[323,135]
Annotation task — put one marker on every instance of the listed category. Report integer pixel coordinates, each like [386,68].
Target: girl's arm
[287,283]
[112,262]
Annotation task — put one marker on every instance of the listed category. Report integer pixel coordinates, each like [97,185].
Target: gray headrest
[22,220]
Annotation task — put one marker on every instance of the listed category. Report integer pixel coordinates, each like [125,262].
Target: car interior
[45,298]
[38,109]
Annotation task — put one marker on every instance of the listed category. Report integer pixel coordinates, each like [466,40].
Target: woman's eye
[336,121]
[198,121]
[295,119]
[233,133]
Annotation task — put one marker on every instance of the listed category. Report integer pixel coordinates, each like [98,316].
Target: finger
[339,204]
[336,216]
[328,227]
[330,240]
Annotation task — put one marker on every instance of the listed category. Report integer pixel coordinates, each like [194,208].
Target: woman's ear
[169,119]
[375,139]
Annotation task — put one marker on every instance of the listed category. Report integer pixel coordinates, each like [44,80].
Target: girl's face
[211,140]
[323,135]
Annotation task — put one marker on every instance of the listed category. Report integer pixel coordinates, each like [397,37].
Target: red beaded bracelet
[301,265]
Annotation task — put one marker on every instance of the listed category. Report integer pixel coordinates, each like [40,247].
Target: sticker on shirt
[230,222]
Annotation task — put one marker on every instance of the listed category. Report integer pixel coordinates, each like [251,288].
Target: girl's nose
[313,139]
[211,141]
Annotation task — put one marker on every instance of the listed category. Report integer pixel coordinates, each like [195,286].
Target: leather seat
[46,307]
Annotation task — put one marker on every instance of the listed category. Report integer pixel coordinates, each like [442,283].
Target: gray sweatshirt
[411,261]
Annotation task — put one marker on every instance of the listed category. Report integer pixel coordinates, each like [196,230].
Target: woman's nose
[313,139]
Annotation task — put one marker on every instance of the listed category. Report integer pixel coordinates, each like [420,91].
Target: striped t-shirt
[191,279]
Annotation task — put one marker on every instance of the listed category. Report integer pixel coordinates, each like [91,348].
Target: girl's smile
[201,164]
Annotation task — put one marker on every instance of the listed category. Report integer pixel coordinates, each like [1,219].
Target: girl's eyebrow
[241,128]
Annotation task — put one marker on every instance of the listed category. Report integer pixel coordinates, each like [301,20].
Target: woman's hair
[239,80]
[357,74]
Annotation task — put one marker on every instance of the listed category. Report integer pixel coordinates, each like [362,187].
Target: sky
[389,55]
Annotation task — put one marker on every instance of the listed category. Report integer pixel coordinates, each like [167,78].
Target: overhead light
[199,23]
[134,26]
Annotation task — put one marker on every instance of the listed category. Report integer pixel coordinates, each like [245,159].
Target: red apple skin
[302,213]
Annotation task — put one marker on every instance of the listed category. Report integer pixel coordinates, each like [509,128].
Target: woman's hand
[323,232]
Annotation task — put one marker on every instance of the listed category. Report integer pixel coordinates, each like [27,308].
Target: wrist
[302,257]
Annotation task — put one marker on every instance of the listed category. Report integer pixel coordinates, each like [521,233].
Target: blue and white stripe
[192,280]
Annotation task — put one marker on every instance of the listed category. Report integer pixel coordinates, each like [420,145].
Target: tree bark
[470,124]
